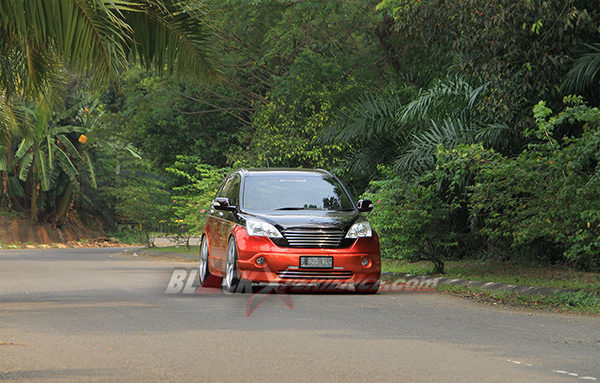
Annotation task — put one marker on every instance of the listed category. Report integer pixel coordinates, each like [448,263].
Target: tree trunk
[34,202]
[5,182]
[438,266]
[63,206]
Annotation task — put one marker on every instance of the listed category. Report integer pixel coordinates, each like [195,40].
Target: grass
[586,300]
[176,249]
[580,301]
[129,237]
[557,276]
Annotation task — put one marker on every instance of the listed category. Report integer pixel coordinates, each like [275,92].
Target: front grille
[319,238]
[313,275]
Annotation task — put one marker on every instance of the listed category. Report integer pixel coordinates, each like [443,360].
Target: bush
[129,237]
[198,184]
[414,221]
[545,201]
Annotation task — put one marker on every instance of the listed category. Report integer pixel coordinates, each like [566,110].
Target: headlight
[261,228]
[360,229]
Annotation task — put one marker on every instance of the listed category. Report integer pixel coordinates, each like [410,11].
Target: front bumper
[282,264]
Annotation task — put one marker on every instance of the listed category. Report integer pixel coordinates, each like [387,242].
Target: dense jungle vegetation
[473,125]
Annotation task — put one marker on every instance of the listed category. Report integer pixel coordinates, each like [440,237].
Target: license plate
[316,262]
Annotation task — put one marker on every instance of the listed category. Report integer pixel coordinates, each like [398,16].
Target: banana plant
[50,155]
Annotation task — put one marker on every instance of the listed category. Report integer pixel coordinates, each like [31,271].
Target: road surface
[99,315]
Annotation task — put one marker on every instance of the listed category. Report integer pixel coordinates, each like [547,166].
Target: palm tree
[389,129]
[584,73]
[40,38]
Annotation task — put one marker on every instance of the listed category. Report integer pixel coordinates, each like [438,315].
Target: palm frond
[174,35]
[498,136]
[584,72]
[419,157]
[418,78]
[364,160]
[36,34]
[7,120]
[369,117]
[13,120]
[90,35]
[98,36]
[445,98]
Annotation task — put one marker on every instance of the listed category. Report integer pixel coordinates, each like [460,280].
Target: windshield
[294,192]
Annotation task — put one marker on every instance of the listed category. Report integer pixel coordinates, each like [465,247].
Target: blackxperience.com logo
[186,281]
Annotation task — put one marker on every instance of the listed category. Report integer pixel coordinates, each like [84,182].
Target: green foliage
[192,199]
[98,36]
[296,63]
[165,117]
[414,220]
[45,171]
[543,203]
[583,75]
[288,127]
[138,197]
[129,237]
[577,300]
[404,129]
[522,48]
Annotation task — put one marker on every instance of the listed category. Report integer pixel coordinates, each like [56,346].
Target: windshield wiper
[290,208]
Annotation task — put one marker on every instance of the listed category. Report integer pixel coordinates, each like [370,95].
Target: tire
[367,287]
[206,278]
[232,282]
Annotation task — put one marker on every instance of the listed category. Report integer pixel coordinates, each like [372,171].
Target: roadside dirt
[23,233]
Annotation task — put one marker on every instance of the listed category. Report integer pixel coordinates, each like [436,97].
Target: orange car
[288,227]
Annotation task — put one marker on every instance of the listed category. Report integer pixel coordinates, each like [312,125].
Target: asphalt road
[98,315]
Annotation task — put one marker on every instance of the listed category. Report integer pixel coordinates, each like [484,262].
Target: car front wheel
[232,282]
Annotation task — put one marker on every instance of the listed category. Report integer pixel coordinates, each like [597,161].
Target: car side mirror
[365,205]
[222,203]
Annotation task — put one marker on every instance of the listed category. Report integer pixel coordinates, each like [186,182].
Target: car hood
[307,218]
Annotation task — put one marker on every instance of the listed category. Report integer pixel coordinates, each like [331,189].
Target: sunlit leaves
[99,37]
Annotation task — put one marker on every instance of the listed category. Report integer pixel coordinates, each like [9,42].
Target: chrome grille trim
[320,238]
[314,274]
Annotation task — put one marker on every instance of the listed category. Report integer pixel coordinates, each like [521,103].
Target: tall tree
[100,38]
[41,41]
[522,48]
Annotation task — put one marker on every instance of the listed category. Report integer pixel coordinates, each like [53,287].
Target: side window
[233,192]
[223,189]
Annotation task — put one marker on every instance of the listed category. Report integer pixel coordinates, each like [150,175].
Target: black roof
[284,171]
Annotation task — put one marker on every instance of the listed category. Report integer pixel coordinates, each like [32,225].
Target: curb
[521,289]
